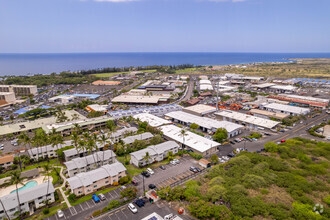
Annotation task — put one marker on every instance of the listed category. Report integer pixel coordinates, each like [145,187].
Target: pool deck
[7,190]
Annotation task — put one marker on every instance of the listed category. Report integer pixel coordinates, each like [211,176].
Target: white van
[149,170]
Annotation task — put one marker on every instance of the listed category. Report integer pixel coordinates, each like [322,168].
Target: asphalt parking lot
[84,210]
[165,177]
[161,208]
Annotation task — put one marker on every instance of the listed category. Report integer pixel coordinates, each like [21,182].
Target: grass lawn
[54,175]
[117,73]
[52,211]
[131,169]
[187,70]
[88,197]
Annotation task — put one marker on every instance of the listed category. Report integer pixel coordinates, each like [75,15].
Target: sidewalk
[60,187]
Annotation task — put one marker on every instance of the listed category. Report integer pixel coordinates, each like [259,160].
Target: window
[95,186]
[1,212]
[40,197]
[79,192]
[11,210]
[106,182]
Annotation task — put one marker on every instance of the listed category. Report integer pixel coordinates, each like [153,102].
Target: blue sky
[53,26]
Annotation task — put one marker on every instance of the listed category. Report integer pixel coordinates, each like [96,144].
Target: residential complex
[119,134]
[48,151]
[156,152]
[6,161]
[30,200]
[89,182]
[143,136]
[90,162]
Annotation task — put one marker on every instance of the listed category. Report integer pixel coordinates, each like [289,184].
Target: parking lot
[160,208]
[84,210]
[172,173]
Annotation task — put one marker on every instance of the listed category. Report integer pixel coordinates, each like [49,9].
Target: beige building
[6,161]
[89,182]
[21,90]
[9,97]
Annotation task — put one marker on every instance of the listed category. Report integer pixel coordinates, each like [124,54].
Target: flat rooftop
[152,120]
[287,108]
[269,114]
[201,109]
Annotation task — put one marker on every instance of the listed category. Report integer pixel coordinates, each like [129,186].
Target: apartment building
[6,161]
[143,136]
[156,152]
[30,200]
[46,151]
[74,153]
[8,97]
[116,136]
[90,162]
[89,182]
[20,90]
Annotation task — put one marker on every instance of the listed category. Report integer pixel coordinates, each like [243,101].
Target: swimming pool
[27,185]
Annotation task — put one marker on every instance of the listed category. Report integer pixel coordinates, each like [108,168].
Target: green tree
[183,133]
[220,135]
[147,157]
[15,179]
[214,159]
[170,156]
[194,126]
[46,167]
[156,139]
[129,192]
[271,147]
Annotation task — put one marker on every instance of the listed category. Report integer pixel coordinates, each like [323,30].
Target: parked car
[168,217]
[193,169]
[283,140]
[145,173]
[198,169]
[1,148]
[172,162]
[96,198]
[132,208]
[134,182]
[162,167]
[149,170]
[232,142]
[176,161]
[231,154]
[152,186]
[267,134]
[60,213]
[102,197]
[139,202]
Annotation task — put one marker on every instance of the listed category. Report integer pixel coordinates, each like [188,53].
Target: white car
[60,213]
[132,208]
[176,161]
[172,162]
[149,170]
[168,217]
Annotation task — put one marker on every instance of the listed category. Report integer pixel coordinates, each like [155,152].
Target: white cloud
[115,0]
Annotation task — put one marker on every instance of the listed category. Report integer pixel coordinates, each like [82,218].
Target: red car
[282,141]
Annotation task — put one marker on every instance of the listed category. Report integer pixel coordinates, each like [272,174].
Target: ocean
[29,64]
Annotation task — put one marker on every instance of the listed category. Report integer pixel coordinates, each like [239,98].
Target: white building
[30,200]
[283,89]
[74,153]
[152,120]
[200,109]
[9,97]
[117,135]
[90,162]
[190,141]
[286,109]
[205,124]
[156,152]
[63,99]
[20,90]
[143,136]
[205,84]
[249,121]
[46,151]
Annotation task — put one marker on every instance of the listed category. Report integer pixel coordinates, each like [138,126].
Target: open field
[311,68]
[117,73]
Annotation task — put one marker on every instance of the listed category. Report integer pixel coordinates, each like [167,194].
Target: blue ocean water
[23,64]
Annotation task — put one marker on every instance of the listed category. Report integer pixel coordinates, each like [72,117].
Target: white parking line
[81,207]
[87,204]
[123,213]
[115,192]
[75,212]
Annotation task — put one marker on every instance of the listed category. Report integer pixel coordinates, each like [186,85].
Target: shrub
[72,197]
[264,191]
[327,200]
[105,209]
[115,183]
[97,213]
[45,211]
[124,180]
[196,156]
[113,204]
[253,181]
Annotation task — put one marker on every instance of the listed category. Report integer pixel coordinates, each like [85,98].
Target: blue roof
[29,108]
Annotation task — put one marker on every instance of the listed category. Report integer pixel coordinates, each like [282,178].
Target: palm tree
[91,147]
[24,139]
[77,128]
[183,133]
[75,139]
[147,157]
[103,140]
[96,148]
[58,140]
[82,147]
[47,169]
[16,179]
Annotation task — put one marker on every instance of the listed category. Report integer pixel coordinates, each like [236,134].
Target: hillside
[283,183]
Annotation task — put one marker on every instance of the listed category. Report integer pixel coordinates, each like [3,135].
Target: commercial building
[90,162]
[62,99]
[30,200]
[117,135]
[48,151]
[200,109]
[152,120]
[89,182]
[283,89]
[190,141]
[20,90]
[156,152]
[246,120]
[8,97]
[155,110]
[141,99]
[106,83]
[205,84]
[205,124]
[6,161]
[193,101]
[66,127]
[302,101]
[97,108]
[268,115]
[143,136]
[286,109]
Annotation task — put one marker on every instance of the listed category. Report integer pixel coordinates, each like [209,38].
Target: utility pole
[143,185]
[217,87]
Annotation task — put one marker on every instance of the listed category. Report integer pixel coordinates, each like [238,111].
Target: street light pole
[143,185]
